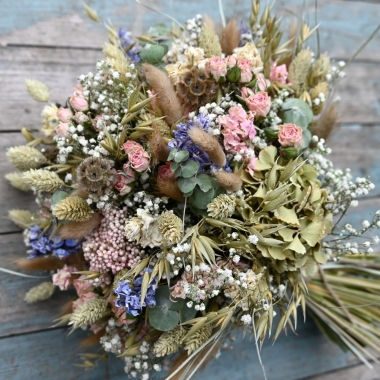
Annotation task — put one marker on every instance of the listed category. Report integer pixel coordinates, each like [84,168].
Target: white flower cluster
[189,38]
[142,364]
[111,340]
[176,257]
[148,202]
[109,98]
[336,72]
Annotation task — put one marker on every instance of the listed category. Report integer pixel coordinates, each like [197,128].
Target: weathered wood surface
[55,43]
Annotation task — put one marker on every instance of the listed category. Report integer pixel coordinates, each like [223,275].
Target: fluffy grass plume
[41,263]
[44,180]
[230,37]
[209,42]
[37,90]
[78,230]
[326,122]
[158,147]
[167,99]
[17,181]
[229,181]
[89,312]
[40,292]
[72,208]
[25,158]
[169,188]
[209,144]
[298,70]
[21,218]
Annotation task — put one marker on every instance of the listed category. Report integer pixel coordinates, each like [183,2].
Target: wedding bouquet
[184,190]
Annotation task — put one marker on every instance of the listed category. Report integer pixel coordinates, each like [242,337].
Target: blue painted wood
[53,355]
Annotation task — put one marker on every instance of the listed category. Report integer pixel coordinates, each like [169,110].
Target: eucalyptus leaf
[204,182]
[188,313]
[182,155]
[172,153]
[152,53]
[296,111]
[187,185]
[190,168]
[163,319]
[306,135]
[58,196]
[201,199]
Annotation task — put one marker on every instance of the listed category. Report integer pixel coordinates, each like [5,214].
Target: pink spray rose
[122,181]
[230,61]
[164,171]
[63,130]
[217,67]
[245,67]
[84,298]
[64,114]
[82,286]
[63,278]
[259,103]
[278,73]
[290,135]
[80,117]
[137,156]
[238,113]
[78,102]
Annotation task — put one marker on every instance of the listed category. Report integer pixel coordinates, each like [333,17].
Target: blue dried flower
[130,298]
[126,40]
[44,244]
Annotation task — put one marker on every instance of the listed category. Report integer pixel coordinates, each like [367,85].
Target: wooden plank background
[54,42]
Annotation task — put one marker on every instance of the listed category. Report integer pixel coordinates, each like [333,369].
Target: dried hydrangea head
[40,292]
[17,181]
[96,175]
[25,157]
[43,180]
[221,207]
[169,342]
[170,226]
[89,312]
[72,208]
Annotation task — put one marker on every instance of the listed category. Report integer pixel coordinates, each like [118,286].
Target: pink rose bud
[131,147]
[64,114]
[164,171]
[245,67]
[140,160]
[290,135]
[217,67]
[78,102]
[259,103]
[261,82]
[278,73]
[230,61]
[63,130]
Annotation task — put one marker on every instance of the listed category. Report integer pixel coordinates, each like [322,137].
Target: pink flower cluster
[259,102]
[290,135]
[138,158]
[85,291]
[278,73]
[164,171]
[238,129]
[219,67]
[63,278]
[77,100]
[124,178]
[198,287]
[106,249]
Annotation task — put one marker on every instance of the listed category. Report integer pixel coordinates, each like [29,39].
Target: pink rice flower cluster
[107,249]
[238,130]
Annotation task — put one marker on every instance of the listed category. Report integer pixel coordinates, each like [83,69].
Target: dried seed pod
[96,175]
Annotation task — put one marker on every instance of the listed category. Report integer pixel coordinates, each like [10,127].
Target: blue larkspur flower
[182,141]
[130,297]
[42,243]
[125,38]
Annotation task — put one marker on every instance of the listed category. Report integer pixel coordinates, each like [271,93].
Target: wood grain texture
[16,315]
[51,355]
[359,372]
[344,25]
[60,68]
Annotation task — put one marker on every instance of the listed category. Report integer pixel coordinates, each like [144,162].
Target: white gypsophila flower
[253,239]
[365,224]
